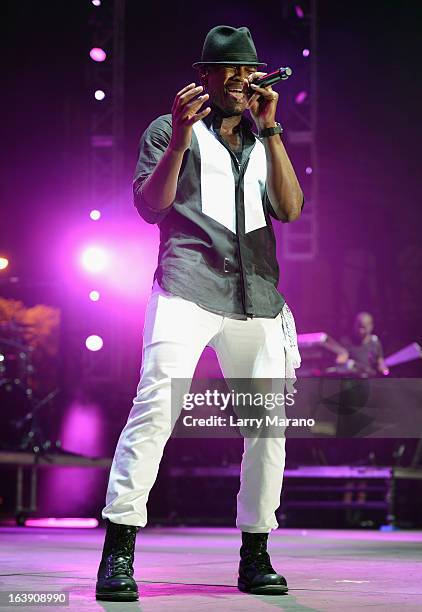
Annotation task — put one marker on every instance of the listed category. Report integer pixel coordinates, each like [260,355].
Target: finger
[181,103]
[190,109]
[252,99]
[199,116]
[197,103]
[255,75]
[251,102]
[181,100]
[266,92]
[263,90]
[188,95]
[182,91]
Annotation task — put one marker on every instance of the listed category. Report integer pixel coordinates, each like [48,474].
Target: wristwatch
[271,131]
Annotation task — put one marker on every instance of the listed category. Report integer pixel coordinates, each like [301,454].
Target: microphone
[281,74]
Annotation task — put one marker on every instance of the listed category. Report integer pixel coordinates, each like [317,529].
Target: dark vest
[217,243]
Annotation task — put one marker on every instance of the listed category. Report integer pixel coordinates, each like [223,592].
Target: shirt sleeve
[270,209]
[378,349]
[154,142]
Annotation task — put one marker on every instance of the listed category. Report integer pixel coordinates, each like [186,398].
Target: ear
[203,75]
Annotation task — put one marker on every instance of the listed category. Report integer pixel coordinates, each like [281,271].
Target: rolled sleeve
[154,142]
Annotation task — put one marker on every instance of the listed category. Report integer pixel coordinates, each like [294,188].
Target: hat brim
[227,63]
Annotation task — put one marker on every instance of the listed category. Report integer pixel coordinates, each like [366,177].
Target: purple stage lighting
[96,2]
[97,54]
[312,339]
[95,215]
[99,94]
[66,523]
[299,11]
[94,343]
[408,353]
[306,53]
[94,259]
[301,97]
[4,262]
[94,295]
[308,170]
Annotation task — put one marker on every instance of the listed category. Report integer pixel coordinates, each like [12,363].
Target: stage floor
[194,569]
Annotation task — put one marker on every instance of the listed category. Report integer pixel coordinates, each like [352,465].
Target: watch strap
[271,131]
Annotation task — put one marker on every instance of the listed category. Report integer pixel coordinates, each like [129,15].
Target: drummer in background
[363,352]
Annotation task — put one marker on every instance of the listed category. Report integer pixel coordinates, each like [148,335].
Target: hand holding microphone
[263,101]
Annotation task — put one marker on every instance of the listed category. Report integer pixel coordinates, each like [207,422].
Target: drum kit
[19,408]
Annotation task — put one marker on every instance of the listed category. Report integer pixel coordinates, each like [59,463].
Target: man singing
[212,180]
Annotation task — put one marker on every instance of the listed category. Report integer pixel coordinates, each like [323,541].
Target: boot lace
[263,563]
[119,565]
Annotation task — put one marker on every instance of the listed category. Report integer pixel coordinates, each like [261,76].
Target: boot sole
[267,589]
[116,596]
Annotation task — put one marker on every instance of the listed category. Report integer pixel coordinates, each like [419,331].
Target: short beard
[228,113]
[233,114]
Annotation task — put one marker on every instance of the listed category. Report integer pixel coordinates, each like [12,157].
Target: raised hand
[185,113]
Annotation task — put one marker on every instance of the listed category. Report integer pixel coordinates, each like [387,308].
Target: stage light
[1,357]
[94,343]
[96,2]
[301,97]
[99,94]
[306,53]
[71,523]
[312,339]
[4,262]
[94,295]
[308,170]
[95,214]
[299,11]
[97,54]
[94,259]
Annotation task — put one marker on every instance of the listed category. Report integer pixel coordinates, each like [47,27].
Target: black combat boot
[115,575]
[256,574]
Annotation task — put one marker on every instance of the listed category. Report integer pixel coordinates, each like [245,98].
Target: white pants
[176,331]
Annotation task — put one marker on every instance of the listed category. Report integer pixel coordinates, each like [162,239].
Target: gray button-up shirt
[234,273]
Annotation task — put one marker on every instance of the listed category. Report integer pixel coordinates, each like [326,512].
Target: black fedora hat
[226,45]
